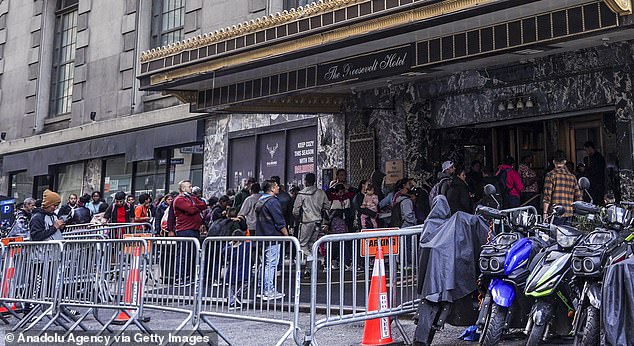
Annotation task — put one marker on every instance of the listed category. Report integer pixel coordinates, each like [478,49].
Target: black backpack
[396,220]
[502,190]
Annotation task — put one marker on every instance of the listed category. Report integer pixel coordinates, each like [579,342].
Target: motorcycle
[599,249]
[551,280]
[504,264]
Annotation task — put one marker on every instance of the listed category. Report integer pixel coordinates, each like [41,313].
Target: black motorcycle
[599,249]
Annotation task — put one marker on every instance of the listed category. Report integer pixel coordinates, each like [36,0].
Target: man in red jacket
[188,222]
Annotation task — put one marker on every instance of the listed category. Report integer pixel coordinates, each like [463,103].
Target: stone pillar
[331,142]
[92,176]
[215,155]
[624,109]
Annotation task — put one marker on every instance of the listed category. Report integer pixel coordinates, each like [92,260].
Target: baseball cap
[446,165]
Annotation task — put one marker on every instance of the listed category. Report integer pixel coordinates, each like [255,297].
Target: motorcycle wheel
[536,335]
[495,326]
[591,327]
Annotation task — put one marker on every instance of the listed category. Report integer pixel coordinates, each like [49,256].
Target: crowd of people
[269,208]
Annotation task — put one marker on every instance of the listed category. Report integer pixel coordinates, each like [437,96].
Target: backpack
[396,220]
[220,228]
[502,189]
[436,190]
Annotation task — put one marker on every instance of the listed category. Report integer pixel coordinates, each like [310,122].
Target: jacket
[458,197]
[187,211]
[310,205]
[248,211]
[80,215]
[239,199]
[407,211]
[513,180]
[270,219]
[95,208]
[41,226]
[111,212]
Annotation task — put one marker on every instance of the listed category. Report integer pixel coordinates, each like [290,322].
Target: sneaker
[235,306]
[273,296]
[181,283]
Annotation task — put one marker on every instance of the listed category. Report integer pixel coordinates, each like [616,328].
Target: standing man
[560,188]
[119,211]
[247,212]
[595,172]
[340,178]
[96,205]
[142,212]
[44,224]
[188,223]
[243,194]
[67,210]
[310,206]
[270,222]
[285,201]
[20,226]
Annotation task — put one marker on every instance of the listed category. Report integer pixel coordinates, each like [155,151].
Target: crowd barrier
[240,280]
[344,297]
[224,278]
[106,231]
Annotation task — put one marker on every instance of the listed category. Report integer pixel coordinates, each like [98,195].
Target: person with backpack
[309,208]
[458,195]
[403,214]
[510,182]
[444,180]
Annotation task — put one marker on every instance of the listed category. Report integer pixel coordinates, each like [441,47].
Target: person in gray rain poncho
[449,249]
[617,304]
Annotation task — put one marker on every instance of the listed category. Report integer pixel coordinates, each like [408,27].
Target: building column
[92,176]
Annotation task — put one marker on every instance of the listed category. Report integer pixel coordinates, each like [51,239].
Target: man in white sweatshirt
[310,206]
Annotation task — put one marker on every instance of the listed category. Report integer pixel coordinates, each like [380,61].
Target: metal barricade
[172,276]
[250,278]
[30,275]
[348,261]
[109,231]
[102,275]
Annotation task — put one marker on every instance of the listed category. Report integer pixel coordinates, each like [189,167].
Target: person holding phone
[44,224]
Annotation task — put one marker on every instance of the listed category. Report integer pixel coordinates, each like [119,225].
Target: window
[70,180]
[20,186]
[168,20]
[288,4]
[64,57]
[149,177]
[186,164]
[118,177]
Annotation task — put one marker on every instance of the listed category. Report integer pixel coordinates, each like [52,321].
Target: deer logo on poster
[272,149]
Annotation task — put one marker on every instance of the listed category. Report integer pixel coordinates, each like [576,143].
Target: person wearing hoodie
[513,183]
[403,214]
[44,224]
[247,212]
[309,207]
[458,193]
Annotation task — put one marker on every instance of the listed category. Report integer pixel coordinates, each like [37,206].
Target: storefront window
[21,186]
[186,164]
[118,177]
[42,183]
[150,177]
[69,180]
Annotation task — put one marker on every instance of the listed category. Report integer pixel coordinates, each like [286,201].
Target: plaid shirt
[560,188]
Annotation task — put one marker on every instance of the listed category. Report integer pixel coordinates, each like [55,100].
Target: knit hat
[50,198]
[446,165]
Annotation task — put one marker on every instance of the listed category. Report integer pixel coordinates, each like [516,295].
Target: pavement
[242,332]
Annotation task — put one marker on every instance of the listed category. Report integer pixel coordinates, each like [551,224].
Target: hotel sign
[384,63]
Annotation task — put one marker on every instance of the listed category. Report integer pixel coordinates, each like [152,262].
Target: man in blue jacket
[270,222]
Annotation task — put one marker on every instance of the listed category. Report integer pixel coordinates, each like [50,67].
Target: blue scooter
[504,264]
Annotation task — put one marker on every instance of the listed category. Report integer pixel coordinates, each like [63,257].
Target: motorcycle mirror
[584,183]
[489,190]
[559,210]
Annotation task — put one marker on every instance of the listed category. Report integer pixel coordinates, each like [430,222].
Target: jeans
[184,270]
[271,259]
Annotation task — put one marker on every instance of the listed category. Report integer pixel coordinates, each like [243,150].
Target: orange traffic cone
[133,286]
[378,331]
